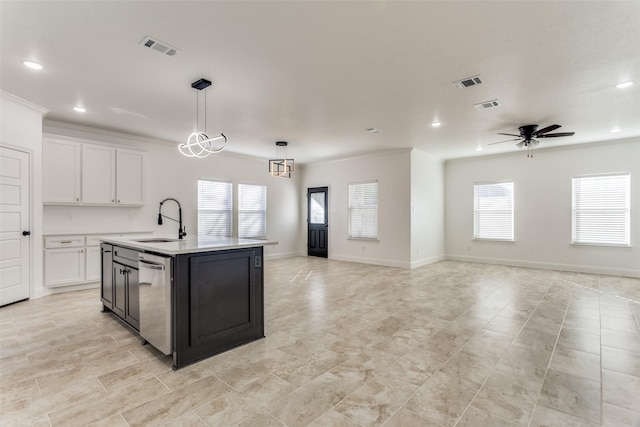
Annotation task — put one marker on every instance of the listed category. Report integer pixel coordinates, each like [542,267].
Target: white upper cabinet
[98,174]
[129,177]
[91,174]
[61,171]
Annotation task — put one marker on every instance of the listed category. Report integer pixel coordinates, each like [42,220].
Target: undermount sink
[156,240]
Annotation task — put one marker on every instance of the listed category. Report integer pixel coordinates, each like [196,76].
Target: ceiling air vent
[469,81]
[159,46]
[487,104]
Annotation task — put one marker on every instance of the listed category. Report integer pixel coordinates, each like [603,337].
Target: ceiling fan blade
[508,134]
[500,142]
[545,130]
[555,135]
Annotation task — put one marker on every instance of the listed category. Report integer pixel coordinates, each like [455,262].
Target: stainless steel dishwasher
[155,301]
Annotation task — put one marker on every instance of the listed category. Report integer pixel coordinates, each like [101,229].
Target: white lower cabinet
[72,259]
[93,259]
[63,267]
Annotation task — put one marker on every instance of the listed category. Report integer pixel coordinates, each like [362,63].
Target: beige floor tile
[375,401]
[261,419]
[303,370]
[405,418]
[614,416]
[115,420]
[230,409]
[620,324]
[474,417]
[547,417]
[174,404]
[620,389]
[118,400]
[576,362]
[304,405]
[352,337]
[443,398]
[572,395]
[623,361]
[333,418]
[622,340]
[579,341]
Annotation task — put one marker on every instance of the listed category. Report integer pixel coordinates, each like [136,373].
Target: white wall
[21,128]
[542,208]
[427,208]
[392,170]
[169,174]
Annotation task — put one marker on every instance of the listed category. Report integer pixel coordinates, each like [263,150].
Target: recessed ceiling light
[33,65]
[372,130]
[80,109]
[614,130]
[435,124]
[624,84]
[478,148]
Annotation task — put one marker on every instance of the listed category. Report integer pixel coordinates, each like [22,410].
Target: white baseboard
[578,268]
[374,261]
[38,293]
[281,255]
[427,261]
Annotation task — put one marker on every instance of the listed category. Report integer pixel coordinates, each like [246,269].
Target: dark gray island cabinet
[204,297]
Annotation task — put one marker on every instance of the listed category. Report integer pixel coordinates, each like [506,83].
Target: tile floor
[449,344]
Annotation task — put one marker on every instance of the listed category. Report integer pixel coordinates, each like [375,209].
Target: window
[252,211]
[363,211]
[214,208]
[600,210]
[493,210]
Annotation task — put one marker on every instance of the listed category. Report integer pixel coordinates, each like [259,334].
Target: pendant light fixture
[281,167]
[199,144]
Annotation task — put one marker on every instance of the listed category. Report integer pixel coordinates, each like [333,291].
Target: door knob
[26,233]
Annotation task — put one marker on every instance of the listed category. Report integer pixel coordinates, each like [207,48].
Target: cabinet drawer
[63,241]
[93,240]
[126,256]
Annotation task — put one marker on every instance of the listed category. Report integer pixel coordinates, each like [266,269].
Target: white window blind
[214,208]
[600,210]
[252,211]
[493,210]
[363,210]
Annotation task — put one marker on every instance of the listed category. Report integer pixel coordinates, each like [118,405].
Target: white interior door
[14,225]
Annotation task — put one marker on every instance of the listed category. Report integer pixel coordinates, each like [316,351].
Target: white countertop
[190,244]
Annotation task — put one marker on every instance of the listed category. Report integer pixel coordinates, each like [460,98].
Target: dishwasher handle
[150,265]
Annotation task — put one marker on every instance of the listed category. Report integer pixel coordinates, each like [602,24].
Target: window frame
[236,209]
[350,209]
[230,211]
[626,210]
[476,237]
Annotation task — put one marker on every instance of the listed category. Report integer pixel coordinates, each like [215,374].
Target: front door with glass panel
[318,221]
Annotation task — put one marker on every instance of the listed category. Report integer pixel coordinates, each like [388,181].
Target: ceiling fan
[529,132]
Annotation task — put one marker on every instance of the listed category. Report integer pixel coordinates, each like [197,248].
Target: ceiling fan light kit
[529,132]
[199,144]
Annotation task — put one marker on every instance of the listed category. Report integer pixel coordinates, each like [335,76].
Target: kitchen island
[190,298]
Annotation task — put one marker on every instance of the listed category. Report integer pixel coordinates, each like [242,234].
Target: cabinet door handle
[77,199]
[118,200]
[81,251]
[112,201]
[65,242]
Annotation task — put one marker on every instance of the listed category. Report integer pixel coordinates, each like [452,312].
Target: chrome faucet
[182,231]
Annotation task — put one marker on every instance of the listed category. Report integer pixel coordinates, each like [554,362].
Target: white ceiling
[317,74]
